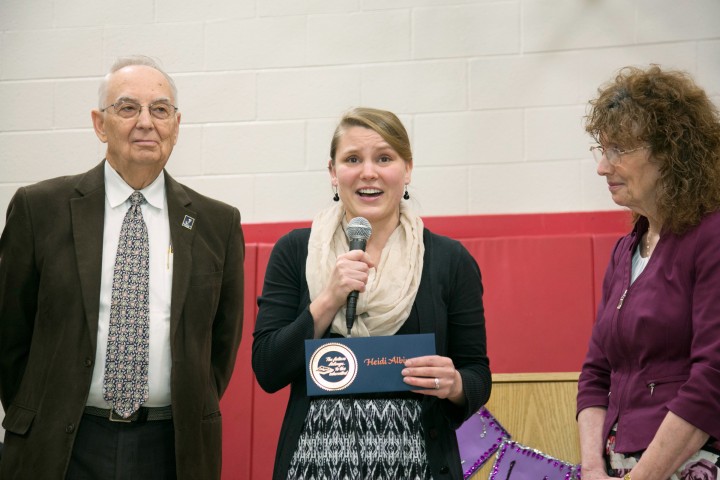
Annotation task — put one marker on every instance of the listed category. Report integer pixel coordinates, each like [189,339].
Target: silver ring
[437,383]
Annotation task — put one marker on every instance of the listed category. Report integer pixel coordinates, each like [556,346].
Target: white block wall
[492,92]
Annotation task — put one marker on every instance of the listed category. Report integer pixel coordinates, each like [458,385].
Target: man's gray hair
[128,61]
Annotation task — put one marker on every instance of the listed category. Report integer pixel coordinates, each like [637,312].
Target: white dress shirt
[155,214]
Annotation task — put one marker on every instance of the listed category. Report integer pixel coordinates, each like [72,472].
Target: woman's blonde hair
[384,123]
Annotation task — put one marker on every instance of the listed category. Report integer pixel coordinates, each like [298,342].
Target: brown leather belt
[144,414]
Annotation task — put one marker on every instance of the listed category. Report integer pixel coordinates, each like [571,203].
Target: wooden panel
[538,410]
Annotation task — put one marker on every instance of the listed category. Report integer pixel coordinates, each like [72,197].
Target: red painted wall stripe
[479,226]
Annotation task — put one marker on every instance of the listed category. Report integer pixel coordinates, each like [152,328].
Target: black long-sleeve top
[448,304]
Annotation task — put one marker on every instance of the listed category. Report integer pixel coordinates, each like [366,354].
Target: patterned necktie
[126,365]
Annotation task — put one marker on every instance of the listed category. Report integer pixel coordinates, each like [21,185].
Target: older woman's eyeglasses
[127,109]
[613,154]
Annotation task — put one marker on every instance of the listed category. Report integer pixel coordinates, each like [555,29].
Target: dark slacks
[123,451]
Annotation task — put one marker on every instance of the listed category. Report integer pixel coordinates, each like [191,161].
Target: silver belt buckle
[115,418]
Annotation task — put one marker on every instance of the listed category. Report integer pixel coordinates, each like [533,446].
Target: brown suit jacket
[50,263]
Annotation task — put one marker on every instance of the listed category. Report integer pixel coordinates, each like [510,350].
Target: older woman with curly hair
[649,391]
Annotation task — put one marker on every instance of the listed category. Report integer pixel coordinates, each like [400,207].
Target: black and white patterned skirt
[346,438]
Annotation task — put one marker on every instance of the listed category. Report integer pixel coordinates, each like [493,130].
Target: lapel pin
[188,222]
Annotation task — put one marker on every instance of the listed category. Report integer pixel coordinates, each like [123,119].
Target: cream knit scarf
[393,284]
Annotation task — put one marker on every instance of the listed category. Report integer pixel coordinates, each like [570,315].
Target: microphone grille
[358,229]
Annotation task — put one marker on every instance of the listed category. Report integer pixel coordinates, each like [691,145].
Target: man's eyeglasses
[613,154]
[161,110]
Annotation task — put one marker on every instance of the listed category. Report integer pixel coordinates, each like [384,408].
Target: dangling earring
[336,197]
[406,196]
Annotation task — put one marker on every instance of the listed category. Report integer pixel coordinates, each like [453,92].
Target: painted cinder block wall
[492,92]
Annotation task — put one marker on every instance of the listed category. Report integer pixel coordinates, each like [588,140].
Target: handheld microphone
[358,232]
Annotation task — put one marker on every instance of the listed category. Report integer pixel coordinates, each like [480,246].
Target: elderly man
[121,299]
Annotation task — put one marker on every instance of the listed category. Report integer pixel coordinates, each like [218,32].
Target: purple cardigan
[655,345]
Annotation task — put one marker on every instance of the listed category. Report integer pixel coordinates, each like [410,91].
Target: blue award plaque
[340,366]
